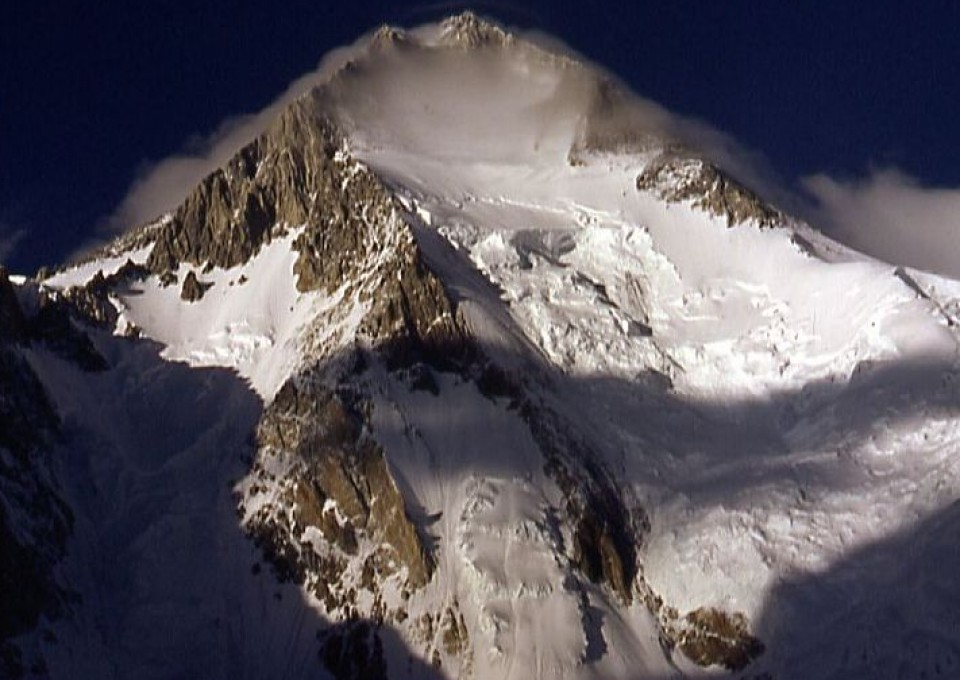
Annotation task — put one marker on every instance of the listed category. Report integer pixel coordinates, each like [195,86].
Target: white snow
[805,419]
[80,274]
[251,319]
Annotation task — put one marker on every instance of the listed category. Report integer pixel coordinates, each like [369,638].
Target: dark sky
[91,92]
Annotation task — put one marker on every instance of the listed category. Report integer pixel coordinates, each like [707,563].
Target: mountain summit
[471,365]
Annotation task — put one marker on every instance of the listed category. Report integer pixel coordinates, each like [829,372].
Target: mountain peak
[387,35]
[471,31]
[456,369]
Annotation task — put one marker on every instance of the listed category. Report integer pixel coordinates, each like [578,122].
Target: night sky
[92,92]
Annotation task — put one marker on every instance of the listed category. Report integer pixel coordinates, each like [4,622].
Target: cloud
[9,238]
[889,215]
[748,166]
[481,104]
[886,214]
[160,186]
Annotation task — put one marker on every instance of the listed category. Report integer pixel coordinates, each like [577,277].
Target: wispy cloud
[161,185]
[9,238]
[891,216]
[887,214]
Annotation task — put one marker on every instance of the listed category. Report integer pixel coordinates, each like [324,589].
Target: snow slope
[774,410]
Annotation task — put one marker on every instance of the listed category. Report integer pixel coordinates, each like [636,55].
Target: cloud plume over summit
[466,93]
[481,78]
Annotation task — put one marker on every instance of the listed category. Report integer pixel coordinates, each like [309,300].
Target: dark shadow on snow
[890,609]
[153,473]
[166,584]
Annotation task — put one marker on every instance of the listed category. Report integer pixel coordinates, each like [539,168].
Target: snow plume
[631,118]
[508,98]
[889,215]
[489,104]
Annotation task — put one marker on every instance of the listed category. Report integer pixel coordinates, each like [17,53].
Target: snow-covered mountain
[469,367]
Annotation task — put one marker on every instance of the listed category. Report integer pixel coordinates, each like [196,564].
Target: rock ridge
[675,177]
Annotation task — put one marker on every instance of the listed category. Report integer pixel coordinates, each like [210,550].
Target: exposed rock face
[91,302]
[342,487]
[387,36]
[675,177]
[710,637]
[53,324]
[607,533]
[315,430]
[468,31]
[284,177]
[192,289]
[353,221]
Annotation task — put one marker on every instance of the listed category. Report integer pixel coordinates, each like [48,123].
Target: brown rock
[193,289]
[341,463]
[711,637]
[676,177]
[282,177]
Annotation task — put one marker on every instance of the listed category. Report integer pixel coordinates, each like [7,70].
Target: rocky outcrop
[59,322]
[91,301]
[710,637]
[285,177]
[468,31]
[52,325]
[387,36]
[354,221]
[192,289]
[607,532]
[339,484]
[676,177]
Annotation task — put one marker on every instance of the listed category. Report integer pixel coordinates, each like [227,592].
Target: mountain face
[467,367]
